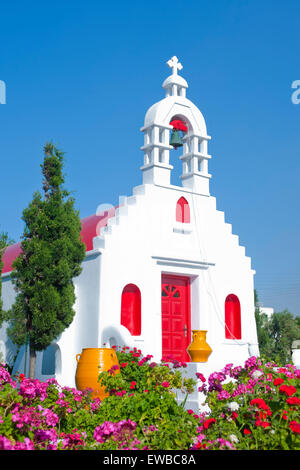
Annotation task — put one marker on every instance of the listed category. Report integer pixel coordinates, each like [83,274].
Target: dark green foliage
[263,334]
[276,334]
[51,257]
[283,331]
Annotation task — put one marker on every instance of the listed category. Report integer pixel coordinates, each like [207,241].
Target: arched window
[51,360]
[183,211]
[233,328]
[48,363]
[131,309]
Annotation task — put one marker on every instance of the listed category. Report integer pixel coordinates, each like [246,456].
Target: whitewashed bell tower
[157,168]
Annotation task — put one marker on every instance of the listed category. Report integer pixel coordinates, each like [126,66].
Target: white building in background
[267,311]
[162,263]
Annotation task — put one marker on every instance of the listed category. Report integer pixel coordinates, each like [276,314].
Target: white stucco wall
[7,348]
[141,244]
[83,331]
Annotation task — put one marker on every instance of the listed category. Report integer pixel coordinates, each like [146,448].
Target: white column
[196,178]
[156,170]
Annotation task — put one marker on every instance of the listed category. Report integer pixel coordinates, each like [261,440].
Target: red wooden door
[176,325]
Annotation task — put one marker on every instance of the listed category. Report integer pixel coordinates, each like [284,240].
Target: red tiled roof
[9,255]
[91,227]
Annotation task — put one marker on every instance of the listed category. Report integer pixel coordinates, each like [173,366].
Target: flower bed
[252,407]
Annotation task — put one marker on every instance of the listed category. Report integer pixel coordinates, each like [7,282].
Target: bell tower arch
[160,138]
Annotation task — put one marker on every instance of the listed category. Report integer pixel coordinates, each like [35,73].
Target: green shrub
[255,407]
[145,392]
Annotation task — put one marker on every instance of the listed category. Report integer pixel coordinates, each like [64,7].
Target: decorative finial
[174,64]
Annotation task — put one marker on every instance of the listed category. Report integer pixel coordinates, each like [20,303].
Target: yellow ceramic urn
[90,363]
[199,350]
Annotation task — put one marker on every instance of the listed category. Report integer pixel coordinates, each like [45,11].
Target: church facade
[159,265]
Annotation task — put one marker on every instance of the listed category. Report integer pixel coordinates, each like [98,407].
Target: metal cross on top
[174,64]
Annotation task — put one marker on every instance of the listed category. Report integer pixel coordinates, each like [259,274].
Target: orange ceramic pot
[90,363]
[199,350]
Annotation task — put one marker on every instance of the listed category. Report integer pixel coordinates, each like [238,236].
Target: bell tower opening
[177,135]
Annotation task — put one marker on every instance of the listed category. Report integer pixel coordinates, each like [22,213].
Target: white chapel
[161,264]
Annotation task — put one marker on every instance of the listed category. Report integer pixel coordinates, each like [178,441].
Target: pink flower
[6,378]
[5,443]
[132,385]
[31,389]
[116,431]
[113,369]
[95,404]
[50,417]
[150,429]
[223,395]
[201,377]
[165,384]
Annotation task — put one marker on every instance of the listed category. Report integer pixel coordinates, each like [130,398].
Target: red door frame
[172,278]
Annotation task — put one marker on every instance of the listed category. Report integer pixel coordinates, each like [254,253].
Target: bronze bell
[175,139]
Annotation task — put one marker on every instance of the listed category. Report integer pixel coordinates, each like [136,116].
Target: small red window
[183,211]
[233,328]
[131,309]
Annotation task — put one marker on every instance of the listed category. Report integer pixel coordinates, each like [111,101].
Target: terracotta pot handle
[78,357]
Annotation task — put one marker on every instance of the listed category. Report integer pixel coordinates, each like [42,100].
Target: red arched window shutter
[233,328]
[183,211]
[131,309]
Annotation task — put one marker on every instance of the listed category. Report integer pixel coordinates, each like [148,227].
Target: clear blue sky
[83,74]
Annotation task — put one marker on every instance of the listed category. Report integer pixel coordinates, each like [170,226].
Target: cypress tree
[52,253]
